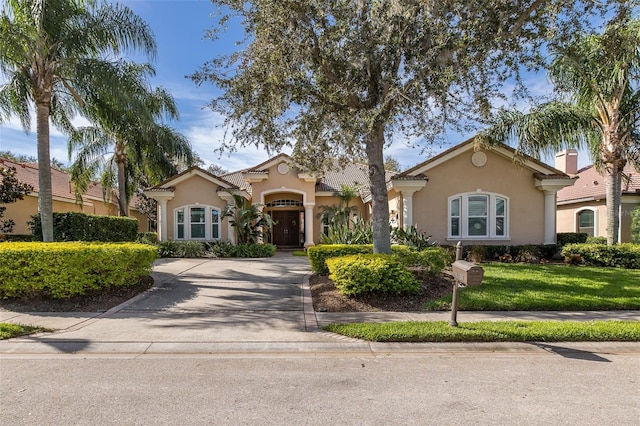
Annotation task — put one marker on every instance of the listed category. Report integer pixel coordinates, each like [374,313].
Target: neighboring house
[463,194]
[63,198]
[582,207]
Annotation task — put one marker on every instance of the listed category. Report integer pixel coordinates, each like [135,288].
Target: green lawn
[524,287]
[8,330]
[493,331]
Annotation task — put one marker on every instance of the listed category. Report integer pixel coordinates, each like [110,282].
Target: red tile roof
[591,185]
[61,185]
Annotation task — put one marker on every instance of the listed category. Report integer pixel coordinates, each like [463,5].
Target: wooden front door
[286,228]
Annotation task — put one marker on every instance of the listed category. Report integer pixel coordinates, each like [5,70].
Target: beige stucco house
[64,199]
[463,194]
[582,207]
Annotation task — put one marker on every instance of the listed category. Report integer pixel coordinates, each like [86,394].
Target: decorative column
[162,219]
[308,225]
[162,196]
[550,185]
[406,187]
[407,208]
[260,207]
[550,216]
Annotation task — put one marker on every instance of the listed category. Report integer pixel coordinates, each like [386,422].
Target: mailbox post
[464,274]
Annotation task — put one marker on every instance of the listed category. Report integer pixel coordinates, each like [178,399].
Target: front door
[286,228]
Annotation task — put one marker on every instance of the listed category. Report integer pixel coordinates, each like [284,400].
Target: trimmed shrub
[366,273]
[619,256]
[564,238]
[18,238]
[635,225]
[319,254]
[521,253]
[214,249]
[433,259]
[62,270]
[147,237]
[253,250]
[596,240]
[76,226]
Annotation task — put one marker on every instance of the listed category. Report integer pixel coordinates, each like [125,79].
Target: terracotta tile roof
[591,185]
[61,185]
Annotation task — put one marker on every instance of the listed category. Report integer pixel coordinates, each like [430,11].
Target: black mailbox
[467,273]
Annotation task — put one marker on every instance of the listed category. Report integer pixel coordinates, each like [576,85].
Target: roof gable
[195,171]
[528,162]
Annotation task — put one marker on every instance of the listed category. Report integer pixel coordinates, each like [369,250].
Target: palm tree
[599,75]
[340,214]
[54,54]
[248,220]
[129,140]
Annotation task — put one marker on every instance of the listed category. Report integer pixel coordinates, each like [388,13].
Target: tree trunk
[614,164]
[45,197]
[121,161]
[379,196]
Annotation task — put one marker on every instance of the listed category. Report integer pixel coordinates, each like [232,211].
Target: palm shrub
[411,237]
[359,232]
[247,220]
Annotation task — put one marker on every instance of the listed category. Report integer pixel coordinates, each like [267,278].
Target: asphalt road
[573,388]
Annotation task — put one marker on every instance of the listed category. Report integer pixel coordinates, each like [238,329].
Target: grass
[8,330]
[299,253]
[493,331]
[523,287]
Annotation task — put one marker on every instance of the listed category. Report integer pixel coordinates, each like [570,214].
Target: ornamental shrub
[76,226]
[366,273]
[564,238]
[147,237]
[434,259]
[635,225]
[62,270]
[319,254]
[620,256]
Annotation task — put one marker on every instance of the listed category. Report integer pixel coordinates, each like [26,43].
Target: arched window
[586,222]
[478,215]
[197,223]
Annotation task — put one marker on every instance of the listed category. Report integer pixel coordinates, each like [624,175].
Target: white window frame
[463,217]
[595,219]
[208,222]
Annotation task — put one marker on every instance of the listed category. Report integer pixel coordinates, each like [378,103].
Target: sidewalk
[241,306]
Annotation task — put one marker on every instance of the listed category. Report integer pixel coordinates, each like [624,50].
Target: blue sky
[179,27]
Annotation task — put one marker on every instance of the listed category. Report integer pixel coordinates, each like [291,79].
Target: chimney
[567,161]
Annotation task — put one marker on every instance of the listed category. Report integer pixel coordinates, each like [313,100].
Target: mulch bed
[326,297]
[95,302]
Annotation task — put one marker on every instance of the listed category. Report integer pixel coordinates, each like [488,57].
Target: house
[582,207]
[463,194]
[64,199]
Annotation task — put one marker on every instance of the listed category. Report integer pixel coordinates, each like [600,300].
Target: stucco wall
[499,175]
[195,191]
[567,220]
[330,201]
[22,210]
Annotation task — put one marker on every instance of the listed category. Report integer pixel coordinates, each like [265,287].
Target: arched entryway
[288,214]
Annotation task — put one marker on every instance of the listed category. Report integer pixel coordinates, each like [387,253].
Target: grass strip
[9,330]
[525,287]
[492,331]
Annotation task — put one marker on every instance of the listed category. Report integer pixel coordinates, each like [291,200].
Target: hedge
[76,226]
[62,270]
[621,255]
[366,273]
[564,238]
[530,253]
[433,258]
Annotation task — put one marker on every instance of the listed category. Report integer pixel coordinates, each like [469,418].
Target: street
[330,389]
